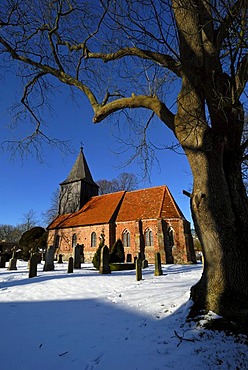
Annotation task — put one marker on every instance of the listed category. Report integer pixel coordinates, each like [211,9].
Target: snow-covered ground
[85,320]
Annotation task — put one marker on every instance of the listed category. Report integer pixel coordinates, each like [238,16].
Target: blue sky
[28,184]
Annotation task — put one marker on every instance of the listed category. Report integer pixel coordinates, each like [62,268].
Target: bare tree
[52,212]
[29,220]
[125,181]
[106,186]
[125,55]
[10,233]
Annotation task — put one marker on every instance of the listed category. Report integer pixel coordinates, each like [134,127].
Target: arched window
[126,238]
[74,240]
[148,238]
[171,236]
[93,239]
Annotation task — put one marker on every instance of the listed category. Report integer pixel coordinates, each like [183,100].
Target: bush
[97,256]
[32,240]
[117,253]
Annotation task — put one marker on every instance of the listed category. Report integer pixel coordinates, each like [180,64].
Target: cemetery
[83,319]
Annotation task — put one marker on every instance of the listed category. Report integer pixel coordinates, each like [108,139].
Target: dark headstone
[77,256]
[129,257]
[70,266]
[60,260]
[144,264]
[104,262]
[2,261]
[158,269]
[12,264]
[49,262]
[138,265]
[33,266]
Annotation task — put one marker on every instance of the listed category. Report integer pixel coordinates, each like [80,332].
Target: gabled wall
[176,249]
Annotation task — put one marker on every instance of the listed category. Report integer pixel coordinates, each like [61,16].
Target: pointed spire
[80,170]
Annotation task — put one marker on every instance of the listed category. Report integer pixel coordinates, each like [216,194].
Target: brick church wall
[83,237]
[180,250]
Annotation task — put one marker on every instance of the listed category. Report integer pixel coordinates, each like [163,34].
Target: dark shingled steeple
[78,187]
[80,171]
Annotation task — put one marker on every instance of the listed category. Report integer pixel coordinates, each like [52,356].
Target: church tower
[78,188]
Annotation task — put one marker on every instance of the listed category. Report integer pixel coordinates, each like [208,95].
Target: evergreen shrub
[97,256]
[117,253]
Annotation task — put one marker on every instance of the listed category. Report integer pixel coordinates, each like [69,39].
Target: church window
[171,233]
[126,238]
[74,240]
[93,239]
[148,238]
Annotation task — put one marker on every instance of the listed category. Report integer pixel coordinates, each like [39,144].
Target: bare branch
[163,60]
[46,69]
[241,77]
[222,31]
[140,101]
[24,99]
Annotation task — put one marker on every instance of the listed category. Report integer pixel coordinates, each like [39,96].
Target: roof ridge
[115,192]
[178,210]
[154,187]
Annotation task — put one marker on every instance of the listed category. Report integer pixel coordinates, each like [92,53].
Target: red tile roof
[98,210]
[149,203]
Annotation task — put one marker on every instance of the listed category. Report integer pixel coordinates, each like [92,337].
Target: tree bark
[223,233]
[219,203]
[219,210]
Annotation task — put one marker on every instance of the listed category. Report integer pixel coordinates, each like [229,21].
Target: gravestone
[36,257]
[60,260]
[138,265]
[158,269]
[144,264]
[12,264]
[33,265]
[39,257]
[70,266]
[104,261]
[77,256]
[49,261]
[129,257]
[2,261]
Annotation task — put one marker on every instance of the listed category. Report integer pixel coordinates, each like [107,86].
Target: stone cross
[158,269]
[104,261]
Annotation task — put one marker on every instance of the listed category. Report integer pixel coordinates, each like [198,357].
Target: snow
[86,321]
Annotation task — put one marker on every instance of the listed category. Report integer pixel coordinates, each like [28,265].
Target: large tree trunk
[219,202]
[219,209]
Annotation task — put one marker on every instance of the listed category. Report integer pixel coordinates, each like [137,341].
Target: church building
[146,220]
